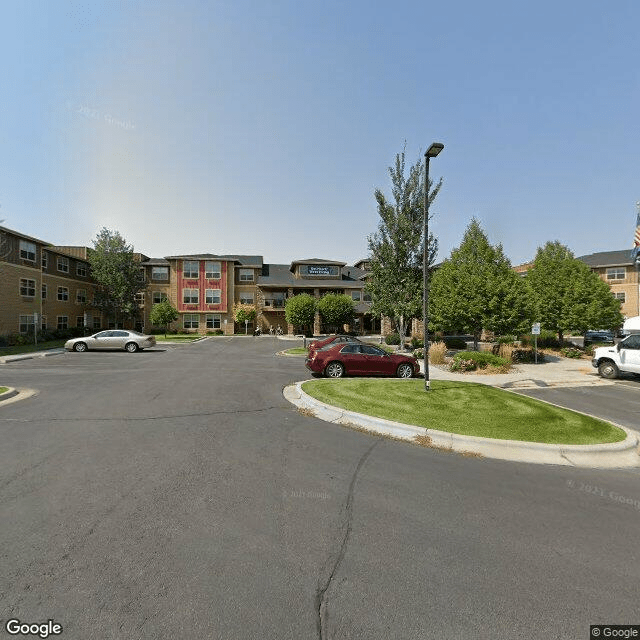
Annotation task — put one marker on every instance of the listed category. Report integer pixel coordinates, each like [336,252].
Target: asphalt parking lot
[175,493]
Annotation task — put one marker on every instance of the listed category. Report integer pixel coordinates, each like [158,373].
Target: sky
[265,127]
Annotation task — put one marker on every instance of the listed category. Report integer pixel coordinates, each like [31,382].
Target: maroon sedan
[332,340]
[334,361]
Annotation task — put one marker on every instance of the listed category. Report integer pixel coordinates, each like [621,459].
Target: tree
[244,313]
[336,309]
[396,279]
[300,310]
[569,296]
[117,274]
[163,314]
[476,289]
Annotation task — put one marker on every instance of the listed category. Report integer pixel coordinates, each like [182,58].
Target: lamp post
[434,149]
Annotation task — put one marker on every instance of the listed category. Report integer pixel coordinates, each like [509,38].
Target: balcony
[273,304]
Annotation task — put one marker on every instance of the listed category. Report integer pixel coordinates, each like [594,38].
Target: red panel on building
[202,284]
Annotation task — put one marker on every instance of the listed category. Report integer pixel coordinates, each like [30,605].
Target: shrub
[523,356]
[419,353]
[571,352]
[505,339]
[460,364]
[480,359]
[546,340]
[417,343]
[437,352]
[455,343]
[392,338]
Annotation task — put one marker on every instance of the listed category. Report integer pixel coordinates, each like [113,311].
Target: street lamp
[434,149]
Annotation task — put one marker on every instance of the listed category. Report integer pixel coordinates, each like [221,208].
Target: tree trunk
[476,338]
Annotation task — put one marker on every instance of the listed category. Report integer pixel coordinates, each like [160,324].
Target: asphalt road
[176,494]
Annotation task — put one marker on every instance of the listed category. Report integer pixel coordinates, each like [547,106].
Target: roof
[608,258]
[294,263]
[155,262]
[200,256]
[245,261]
[25,236]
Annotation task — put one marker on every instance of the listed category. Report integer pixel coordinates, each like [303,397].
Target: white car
[625,356]
[131,341]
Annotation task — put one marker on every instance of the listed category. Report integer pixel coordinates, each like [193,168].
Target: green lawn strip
[177,338]
[30,348]
[464,408]
[3,389]
[297,351]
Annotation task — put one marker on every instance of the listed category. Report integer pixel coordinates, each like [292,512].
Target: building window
[212,270]
[616,273]
[160,273]
[190,269]
[190,321]
[620,296]
[190,296]
[213,321]
[27,250]
[63,264]
[63,293]
[44,291]
[26,324]
[45,259]
[44,323]
[212,296]
[81,296]
[246,297]
[63,322]
[246,275]
[140,298]
[97,323]
[356,296]
[80,322]
[81,269]
[159,296]
[27,287]
[366,297]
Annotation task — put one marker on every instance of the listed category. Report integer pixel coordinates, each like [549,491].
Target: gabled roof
[155,262]
[608,258]
[24,236]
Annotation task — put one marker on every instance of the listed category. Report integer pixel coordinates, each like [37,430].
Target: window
[97,323]
[80,322]
[81,269]
[616,273]
[190,321]
[44,323]
[45,259]
[246,275]
[366,297]
[212,296]
[63,322]
[44,291]
[26,324]
[81,296]
[356,295]
[212,270]
[160,273]
[27,250]
[63,264]
[350,348]
[190,269]
[632,342]
[246,297]
[213,321]
[63,293]
[190,296]
[27,287]
[140,298]
[159,296]
[620,296]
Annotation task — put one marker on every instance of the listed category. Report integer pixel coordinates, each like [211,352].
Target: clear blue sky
[264,127]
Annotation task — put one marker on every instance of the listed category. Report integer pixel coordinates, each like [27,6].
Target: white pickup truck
[625,356]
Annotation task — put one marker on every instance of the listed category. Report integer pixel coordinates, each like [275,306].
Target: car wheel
[608,369]
[405,370]
[131,347]
[79,346]
[334,370]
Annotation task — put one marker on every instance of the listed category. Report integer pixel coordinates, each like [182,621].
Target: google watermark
[94,114]
[603,493]
[40,629]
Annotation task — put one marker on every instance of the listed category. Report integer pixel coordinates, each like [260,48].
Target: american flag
[635,254]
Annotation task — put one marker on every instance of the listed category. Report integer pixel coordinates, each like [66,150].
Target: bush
[455,343]
[392,338]
[481,359]
[417,343]
[461,364]
[571,352]
[505,339]
[419,353]
[546,340]
[437,352]
[215,332]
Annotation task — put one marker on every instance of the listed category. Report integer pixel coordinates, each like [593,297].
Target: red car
[358,358]
[330,340]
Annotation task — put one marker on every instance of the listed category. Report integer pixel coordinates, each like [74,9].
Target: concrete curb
[16,395]
[29,356]
[9,393]
[607,456]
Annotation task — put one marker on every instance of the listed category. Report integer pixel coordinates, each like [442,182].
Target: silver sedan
[131,341]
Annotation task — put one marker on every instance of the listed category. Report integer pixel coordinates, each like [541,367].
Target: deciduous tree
[163,314]
[336,309]
[300,310]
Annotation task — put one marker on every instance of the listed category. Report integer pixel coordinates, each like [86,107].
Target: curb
[617,455]
[29,356]
[9,393]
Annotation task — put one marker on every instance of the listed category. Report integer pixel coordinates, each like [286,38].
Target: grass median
[464,408]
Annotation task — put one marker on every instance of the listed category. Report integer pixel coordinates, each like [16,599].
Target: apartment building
[43,286]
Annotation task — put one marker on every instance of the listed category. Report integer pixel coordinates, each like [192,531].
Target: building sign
[319,270]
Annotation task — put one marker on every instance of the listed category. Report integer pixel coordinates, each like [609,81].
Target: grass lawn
[297,351]
[29,348]
[177,338]
[465,408]
[3,389]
